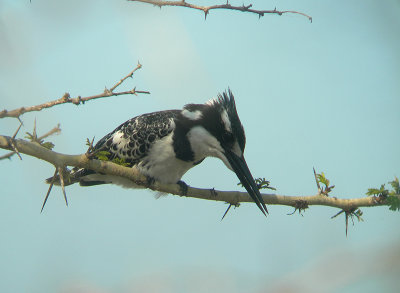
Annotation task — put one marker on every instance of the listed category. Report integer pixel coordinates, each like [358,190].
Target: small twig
[7,156]
[123,79]
[16,113]
[55,130]
[206,9]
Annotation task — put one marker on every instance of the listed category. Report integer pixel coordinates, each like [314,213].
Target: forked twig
[16,113]
[129,75]
[206,9]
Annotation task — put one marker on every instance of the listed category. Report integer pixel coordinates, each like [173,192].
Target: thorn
[66,97]
[334,216]
[205,14]
[213,192]
[316,180]
[13,146]
[34,134]
[16,132]
[107,91]
[227,210]
[48,191]
[60,172]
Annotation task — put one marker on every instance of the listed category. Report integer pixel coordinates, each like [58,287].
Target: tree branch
[55,130]
[232,197]
[16,113]
[206,9]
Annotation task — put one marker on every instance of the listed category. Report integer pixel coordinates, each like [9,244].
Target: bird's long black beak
[239,166]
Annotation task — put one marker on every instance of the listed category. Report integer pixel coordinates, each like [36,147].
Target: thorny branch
[206,9]
[66,98]
[231,197]
[55,130]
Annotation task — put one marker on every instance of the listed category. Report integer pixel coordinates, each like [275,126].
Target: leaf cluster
[33,137]
[321,178]
[104,156]
[261,183]
[390,196]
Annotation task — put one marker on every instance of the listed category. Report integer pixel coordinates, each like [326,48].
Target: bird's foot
[183,187]
[149,181]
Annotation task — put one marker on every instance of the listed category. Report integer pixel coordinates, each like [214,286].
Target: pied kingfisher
[164,145]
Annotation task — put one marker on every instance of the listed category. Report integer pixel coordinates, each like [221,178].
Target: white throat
[205,145]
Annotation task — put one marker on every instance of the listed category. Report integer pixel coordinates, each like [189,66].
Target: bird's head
[216,131]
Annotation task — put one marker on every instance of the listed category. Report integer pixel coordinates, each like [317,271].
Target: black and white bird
[164,145]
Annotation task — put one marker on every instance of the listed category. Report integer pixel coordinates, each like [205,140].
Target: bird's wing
[132,140]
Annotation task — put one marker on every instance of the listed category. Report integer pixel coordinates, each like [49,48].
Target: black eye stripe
[227,136]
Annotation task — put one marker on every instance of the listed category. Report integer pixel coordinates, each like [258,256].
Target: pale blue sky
[323,95]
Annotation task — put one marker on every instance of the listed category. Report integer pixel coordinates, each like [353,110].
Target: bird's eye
[227,137]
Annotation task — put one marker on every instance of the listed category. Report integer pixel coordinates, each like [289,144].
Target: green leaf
[378,192]
[395,185]
[358,213]
[103,155]
[261,183]
[120,161]
[48,145]
[322,179]
[29,136]
[394,203]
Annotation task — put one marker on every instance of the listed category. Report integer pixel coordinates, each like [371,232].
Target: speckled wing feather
[132,140]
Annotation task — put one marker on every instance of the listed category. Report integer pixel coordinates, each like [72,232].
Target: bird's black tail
[69,177]
[76,175]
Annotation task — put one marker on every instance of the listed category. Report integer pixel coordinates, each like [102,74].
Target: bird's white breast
[161,163]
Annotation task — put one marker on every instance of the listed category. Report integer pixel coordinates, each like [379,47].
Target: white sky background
[322,95]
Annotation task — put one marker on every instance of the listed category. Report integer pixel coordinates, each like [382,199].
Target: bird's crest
[226,102]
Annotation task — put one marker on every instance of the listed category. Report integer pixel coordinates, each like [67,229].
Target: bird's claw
[183,187]
[149,181]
